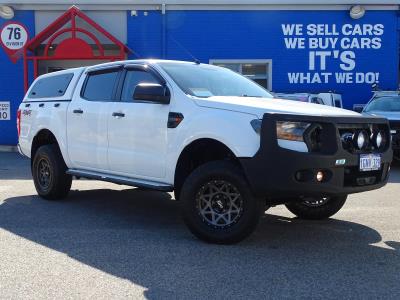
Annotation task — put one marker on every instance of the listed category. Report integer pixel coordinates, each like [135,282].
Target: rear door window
[100,86]
[53,86]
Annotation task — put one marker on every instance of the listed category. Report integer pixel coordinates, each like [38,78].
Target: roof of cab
[78,71]
[134,61]
[66,71]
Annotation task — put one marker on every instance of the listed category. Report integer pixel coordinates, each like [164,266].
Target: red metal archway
[72,47]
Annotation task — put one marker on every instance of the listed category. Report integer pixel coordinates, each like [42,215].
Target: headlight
[292,131]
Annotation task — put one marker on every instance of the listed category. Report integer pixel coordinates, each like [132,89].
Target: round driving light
[320,176]
[360,139]
[379,139]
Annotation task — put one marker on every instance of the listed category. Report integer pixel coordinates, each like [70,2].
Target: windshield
[206,81]
[387,103]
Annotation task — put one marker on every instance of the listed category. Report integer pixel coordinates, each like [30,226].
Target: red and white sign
[14,37]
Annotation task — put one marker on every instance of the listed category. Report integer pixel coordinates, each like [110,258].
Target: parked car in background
[331,99]
[387,104]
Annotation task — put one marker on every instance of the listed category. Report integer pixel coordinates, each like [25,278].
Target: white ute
[221,142]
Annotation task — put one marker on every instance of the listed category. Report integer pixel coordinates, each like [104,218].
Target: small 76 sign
[13,38]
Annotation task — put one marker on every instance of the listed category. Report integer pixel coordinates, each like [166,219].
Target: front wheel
[217,204]
[317,208]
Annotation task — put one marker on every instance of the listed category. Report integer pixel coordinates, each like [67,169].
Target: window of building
[100,86]
[259,71]
[49,87]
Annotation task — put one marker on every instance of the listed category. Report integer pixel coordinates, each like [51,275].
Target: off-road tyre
[231,194]
[49,173]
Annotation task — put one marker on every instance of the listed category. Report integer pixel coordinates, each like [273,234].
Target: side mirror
[358,109]
[152,92]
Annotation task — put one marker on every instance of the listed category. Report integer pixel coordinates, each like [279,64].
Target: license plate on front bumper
[370,162]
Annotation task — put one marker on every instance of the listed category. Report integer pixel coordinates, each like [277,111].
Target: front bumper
[273,171]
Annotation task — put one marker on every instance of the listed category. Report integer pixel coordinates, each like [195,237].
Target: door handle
[118,114]
[78,111]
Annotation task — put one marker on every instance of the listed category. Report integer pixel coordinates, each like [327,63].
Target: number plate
[370,162]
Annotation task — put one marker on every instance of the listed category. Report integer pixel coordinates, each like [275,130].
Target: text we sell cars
[333,29]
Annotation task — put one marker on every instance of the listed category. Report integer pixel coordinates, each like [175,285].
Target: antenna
[186,50]
[375,87]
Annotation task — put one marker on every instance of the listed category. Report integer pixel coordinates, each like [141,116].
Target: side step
[141,183]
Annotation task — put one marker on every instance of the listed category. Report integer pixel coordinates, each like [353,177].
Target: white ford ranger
[221,142]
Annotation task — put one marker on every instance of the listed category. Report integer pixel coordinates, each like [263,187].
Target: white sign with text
[4,110]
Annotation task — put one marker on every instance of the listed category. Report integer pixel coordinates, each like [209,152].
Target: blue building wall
[260,35]
[12,80]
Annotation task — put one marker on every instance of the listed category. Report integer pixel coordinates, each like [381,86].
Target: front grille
[320,138]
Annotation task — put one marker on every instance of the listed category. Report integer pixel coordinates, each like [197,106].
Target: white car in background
[330,99]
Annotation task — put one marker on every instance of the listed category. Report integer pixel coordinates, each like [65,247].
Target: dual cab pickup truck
[221,142]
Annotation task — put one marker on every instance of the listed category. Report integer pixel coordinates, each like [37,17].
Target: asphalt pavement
[107,241]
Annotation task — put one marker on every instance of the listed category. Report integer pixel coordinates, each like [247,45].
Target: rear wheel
[217,204]
[49,173]
[317,208]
